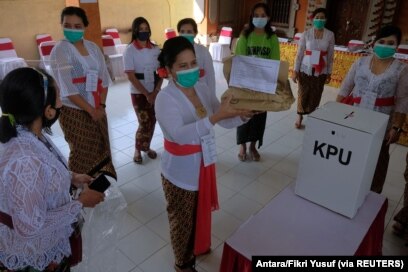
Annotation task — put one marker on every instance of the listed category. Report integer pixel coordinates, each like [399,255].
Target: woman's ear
[48,112]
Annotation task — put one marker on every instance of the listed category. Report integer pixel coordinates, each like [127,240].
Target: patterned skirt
[88,141]
[147,121]
[310,89]
[381,169]
[181,210]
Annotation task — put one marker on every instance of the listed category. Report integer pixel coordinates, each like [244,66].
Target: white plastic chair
[8,58]
[114,60]
[170,33]
[45,51]
[354,45]
[43,38]
[114,33]
[297,37]
[225,35]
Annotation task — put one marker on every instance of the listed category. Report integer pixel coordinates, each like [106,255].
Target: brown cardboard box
[259,101]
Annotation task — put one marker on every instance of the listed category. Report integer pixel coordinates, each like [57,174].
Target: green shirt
[259,45]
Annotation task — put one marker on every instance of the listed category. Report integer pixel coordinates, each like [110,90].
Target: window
[280,12]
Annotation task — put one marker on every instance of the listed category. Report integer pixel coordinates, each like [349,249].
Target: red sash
[318,67]
[379,102]
[207,196]
[96,94]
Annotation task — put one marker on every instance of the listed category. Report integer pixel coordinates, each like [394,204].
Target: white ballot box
[340,151]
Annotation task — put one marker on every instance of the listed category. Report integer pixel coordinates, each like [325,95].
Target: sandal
[137,158]
[151,154]
[242,157]
[298,123]
[255,155]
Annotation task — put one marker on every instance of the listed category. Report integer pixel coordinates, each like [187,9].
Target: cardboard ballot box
[340,151]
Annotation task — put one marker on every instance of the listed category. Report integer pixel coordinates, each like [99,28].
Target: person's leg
[140,103]
[381,169]
[150,125]
[254,153]
[181,210]
[242,152]
[400,226]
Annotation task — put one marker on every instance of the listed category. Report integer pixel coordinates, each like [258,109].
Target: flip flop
[137,158]
[151,154]
[242,157]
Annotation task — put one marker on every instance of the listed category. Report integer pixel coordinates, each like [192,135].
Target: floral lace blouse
[34,191]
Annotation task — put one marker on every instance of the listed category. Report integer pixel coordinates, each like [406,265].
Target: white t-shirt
[205,62]
[141,61]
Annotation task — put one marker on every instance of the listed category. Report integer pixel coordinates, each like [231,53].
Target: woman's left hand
[328,78]
[79,179]
[392,136]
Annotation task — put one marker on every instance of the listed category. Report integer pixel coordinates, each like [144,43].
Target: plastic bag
[101,231]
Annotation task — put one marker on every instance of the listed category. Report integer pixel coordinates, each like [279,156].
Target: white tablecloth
[292,225]
[9,64]
[219,51]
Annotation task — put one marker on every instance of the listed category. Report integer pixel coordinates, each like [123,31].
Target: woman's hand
[90,198]
[328,78]
[392,136]
[97,114]
[80,179]
[227,111]
[295,76]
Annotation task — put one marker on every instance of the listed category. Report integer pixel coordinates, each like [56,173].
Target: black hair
[22,95]
[75,11]
[319,10]
[187,21]
[135,27]
[171,48]
[387,31]
[251,27]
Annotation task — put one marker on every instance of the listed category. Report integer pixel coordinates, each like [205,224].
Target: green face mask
[189,37]
[188,78]
[319,23]
[73,35]
[383,51]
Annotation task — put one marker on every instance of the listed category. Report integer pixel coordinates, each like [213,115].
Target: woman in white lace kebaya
[36,208]
[380,83]
[313,65]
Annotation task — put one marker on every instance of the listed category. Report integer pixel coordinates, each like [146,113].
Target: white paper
[368,100]
[209,148]
[256,74]
[315,57]
[91,81]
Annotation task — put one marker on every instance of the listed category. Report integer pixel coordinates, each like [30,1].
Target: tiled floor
[143,242]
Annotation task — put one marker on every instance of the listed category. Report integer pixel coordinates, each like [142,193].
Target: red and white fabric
[114,33]
[225,35]
[8,58]
[354,45]
[402,49]
[170,33]
[114,60]
[45,49]
[43,38]
[297,37]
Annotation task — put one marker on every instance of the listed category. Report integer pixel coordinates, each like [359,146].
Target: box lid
[352,117]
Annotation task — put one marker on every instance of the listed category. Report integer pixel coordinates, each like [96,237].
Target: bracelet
[103,105]
[397,129]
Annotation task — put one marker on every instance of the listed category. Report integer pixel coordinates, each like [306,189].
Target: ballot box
[340,150]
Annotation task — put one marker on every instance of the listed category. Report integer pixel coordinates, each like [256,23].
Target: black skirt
[253,130]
